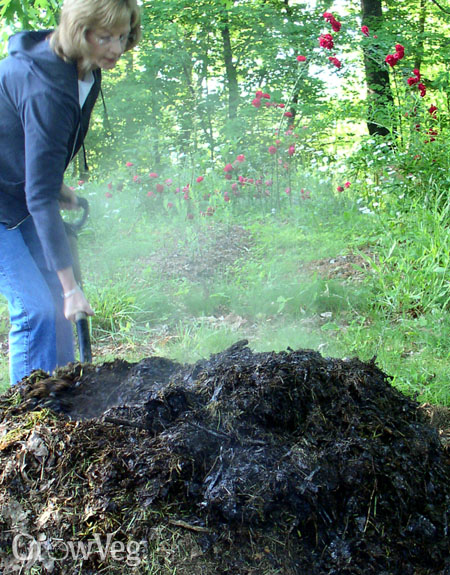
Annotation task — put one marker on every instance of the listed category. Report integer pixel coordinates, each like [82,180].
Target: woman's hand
[74,298]
[68,198]
[76,302]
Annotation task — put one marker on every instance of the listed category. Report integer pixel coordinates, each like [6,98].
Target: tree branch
[440,7]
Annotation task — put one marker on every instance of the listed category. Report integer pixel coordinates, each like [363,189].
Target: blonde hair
[78,16]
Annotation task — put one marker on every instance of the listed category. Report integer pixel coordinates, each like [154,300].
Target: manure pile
[244,464]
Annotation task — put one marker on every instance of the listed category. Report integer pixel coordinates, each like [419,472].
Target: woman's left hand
[68,199]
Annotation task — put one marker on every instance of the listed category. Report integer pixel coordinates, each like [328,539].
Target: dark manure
[243,464]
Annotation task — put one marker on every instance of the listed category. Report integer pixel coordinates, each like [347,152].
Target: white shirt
[84,87]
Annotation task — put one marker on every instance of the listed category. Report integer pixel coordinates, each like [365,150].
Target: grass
[185,289]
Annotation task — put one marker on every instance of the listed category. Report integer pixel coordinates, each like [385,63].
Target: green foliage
[29,15]
[411,270]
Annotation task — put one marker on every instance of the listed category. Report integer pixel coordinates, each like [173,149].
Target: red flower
[332,20]
[391,59]
[432,110]
[256,102]
[288,114]
[422,90]
[340,189]
[108,195]
[168,182]
[416,73]
[272,150]
[80,182]
[129,164]
[159,188]
[347,184]
[240,158]
[186,195]
[335,25]
[335,61]
[306,194]
[153,175]
[281,105]
[301,58]
[266,96]
[228,168]
[170,205]
[199,179]
[326,41]
[226,197]
[365,30]
[228,176]
[136,179]
[412,80]
[151,194]
[259,94]
[288,191]
[291,150]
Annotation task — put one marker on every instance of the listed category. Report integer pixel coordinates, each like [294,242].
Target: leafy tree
[379,95]
[29,15]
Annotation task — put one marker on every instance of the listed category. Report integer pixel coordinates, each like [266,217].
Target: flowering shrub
[268,172]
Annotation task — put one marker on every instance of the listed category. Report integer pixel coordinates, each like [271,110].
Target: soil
[349,267]
[244,464]
[218,251]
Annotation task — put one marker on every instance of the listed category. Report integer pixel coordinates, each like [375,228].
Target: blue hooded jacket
[41,129]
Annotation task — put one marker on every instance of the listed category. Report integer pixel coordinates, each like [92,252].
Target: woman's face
[107,46]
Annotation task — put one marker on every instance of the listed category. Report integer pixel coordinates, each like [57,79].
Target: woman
[48,87]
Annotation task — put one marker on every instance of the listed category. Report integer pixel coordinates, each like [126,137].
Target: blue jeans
[40,336]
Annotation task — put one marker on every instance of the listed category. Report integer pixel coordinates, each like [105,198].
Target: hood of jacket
[34,48]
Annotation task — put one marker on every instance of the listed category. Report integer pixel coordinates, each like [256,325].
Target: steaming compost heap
[246,463]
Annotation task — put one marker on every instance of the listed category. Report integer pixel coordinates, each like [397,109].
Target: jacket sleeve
[49,121]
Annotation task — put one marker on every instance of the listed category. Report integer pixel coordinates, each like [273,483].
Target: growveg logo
[28,550]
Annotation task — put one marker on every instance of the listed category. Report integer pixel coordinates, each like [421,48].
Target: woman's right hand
[76,302]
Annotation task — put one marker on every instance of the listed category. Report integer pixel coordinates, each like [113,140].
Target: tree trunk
[233,88]
[379,94]
[419,48]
